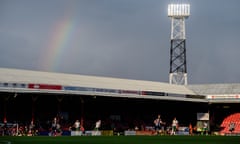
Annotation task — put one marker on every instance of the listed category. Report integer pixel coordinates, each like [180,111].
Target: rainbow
[58,42]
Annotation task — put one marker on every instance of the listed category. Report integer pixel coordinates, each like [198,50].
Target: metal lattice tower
[178,66]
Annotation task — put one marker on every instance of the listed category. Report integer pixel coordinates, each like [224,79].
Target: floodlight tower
[178,67]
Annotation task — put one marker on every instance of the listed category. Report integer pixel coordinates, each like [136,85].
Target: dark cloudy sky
[120,38]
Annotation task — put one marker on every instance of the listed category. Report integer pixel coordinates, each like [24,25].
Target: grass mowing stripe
[122,140]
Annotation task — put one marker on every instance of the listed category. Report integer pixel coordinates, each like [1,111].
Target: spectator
[231,127]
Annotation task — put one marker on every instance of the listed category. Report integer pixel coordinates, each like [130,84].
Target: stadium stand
[122,104]
[233,118]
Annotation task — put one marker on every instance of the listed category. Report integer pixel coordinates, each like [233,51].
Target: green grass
[121,140]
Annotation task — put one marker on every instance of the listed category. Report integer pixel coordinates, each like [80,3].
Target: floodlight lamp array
[178,10]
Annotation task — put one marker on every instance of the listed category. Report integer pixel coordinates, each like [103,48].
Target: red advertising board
[44,86]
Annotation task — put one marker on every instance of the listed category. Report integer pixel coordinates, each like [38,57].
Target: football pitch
[120,140]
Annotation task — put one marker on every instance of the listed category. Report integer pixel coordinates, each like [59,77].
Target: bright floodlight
[178,10]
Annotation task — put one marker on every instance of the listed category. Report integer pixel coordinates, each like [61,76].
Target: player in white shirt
[205,128]
[98,124]
[77,125]
[174,126]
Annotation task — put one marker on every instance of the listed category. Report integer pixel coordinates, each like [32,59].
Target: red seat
[226,122]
